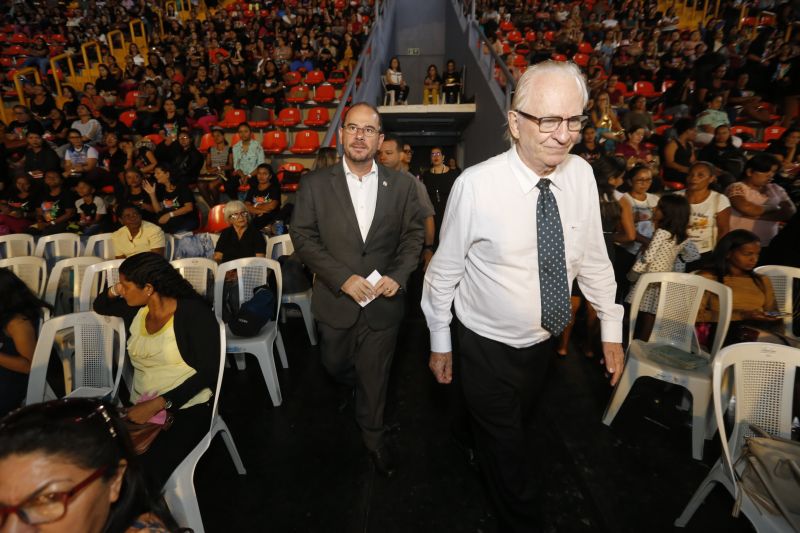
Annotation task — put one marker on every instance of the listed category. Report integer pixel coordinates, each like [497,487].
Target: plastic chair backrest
[196,271]
[679,301]
[643,87]
[102,240]
[127,118]
[292,78]
[16,245]
[580,59]
[31,270]
[206,142]
[251,272]
[97,359]
[315,77]
[235,117]
[782,279]
[738,130]
[290,114]
[773,132]
[216,219]
[169,246]
[59,245]
[97,278]
[275,141]
[307,141]
[763,383]
[74,267]
[318,115]
[279,245]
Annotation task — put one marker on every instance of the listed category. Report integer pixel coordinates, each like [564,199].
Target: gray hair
[234,206]
[526,85]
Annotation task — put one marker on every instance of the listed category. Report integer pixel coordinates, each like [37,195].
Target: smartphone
[776,313]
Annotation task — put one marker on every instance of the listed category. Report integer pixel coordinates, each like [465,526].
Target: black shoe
[383,460]
[466,448]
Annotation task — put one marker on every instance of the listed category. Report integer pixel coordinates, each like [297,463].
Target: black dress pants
[361,357]
[500,385]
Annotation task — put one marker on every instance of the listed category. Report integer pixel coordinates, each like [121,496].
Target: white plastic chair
[169,246]
[31,270]
[782,279]
[763,377]
[214,238]
[282,245]
[74,266]
[196,271]
[16,245]
[59,245]
[97,278]
[179,491]
[95,364]
[674,337]
[100,245]
[251,273]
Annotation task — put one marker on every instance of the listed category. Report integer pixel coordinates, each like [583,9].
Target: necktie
[553,286]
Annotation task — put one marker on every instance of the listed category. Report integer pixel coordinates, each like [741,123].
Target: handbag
[143,435]
[771,476]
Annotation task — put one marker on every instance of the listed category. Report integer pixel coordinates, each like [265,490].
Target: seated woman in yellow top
[754,309]
[173,345]
[136,235]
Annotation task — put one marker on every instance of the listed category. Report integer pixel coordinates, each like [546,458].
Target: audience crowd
[674,127]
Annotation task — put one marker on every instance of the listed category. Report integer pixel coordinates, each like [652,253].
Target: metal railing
[371,54]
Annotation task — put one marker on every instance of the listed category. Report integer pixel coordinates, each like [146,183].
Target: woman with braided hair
[173,345]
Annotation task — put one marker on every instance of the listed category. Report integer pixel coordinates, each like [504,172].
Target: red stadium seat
[305,142]
[522,48]
[155,138]
[206,142]
[666,85]
[232,118]
[559,57]
[288,116]
[20,38]
[646,89]
[338,77]
[315,77]
[580,59]
[216,219]
[620,86]
[317,117]
[289,176]
[514,36]
[15,50]
[586,48]
[550,36]
[506,26]
[506,48]
[235,139]
[772,133]
[130,99]
[750,146]
[298,94]
[325,93]
[519,61]
[530,36]
[274,142]
[127,117]
[292,78]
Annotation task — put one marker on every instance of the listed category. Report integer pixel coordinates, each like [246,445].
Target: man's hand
[614,357]
[427,255]
[441,364]
[163,219]
[387,287]
[358,288]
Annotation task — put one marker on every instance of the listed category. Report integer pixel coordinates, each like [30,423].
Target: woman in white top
[643,203]
[395,82]
[90,128]
[710,216]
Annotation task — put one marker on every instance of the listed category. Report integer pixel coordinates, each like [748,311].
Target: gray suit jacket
[325,235]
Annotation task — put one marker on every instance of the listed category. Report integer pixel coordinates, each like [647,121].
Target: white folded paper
[373,278]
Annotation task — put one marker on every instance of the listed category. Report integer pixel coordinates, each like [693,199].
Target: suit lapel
[382,202]
[342,193]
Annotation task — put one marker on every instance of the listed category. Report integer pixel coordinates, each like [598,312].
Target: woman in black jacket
[173,345]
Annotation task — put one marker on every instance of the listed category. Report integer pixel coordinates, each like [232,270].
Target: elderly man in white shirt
[511,287]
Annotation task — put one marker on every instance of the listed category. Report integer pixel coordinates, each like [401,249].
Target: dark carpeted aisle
[308,472]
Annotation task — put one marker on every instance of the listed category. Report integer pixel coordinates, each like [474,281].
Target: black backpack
[254,313]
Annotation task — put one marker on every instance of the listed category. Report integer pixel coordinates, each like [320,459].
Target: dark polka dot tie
[553,284]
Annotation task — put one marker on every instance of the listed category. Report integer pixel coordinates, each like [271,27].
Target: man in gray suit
[352,220]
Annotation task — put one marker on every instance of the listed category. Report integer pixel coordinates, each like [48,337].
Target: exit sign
[413,51]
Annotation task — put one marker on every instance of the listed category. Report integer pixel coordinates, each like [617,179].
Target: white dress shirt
[364,194]
[487,257]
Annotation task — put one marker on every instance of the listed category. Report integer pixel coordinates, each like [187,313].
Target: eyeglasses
[368,131]
[436,154]
[47,507]
[551,124]
[234,216]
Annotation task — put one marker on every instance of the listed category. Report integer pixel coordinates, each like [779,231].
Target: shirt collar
[350,174]
[527,178]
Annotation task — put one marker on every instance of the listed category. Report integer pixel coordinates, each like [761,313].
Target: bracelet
[170,214]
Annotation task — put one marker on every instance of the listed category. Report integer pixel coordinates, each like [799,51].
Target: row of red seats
[288,117]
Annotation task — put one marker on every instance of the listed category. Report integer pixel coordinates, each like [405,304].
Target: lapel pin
[385,184]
